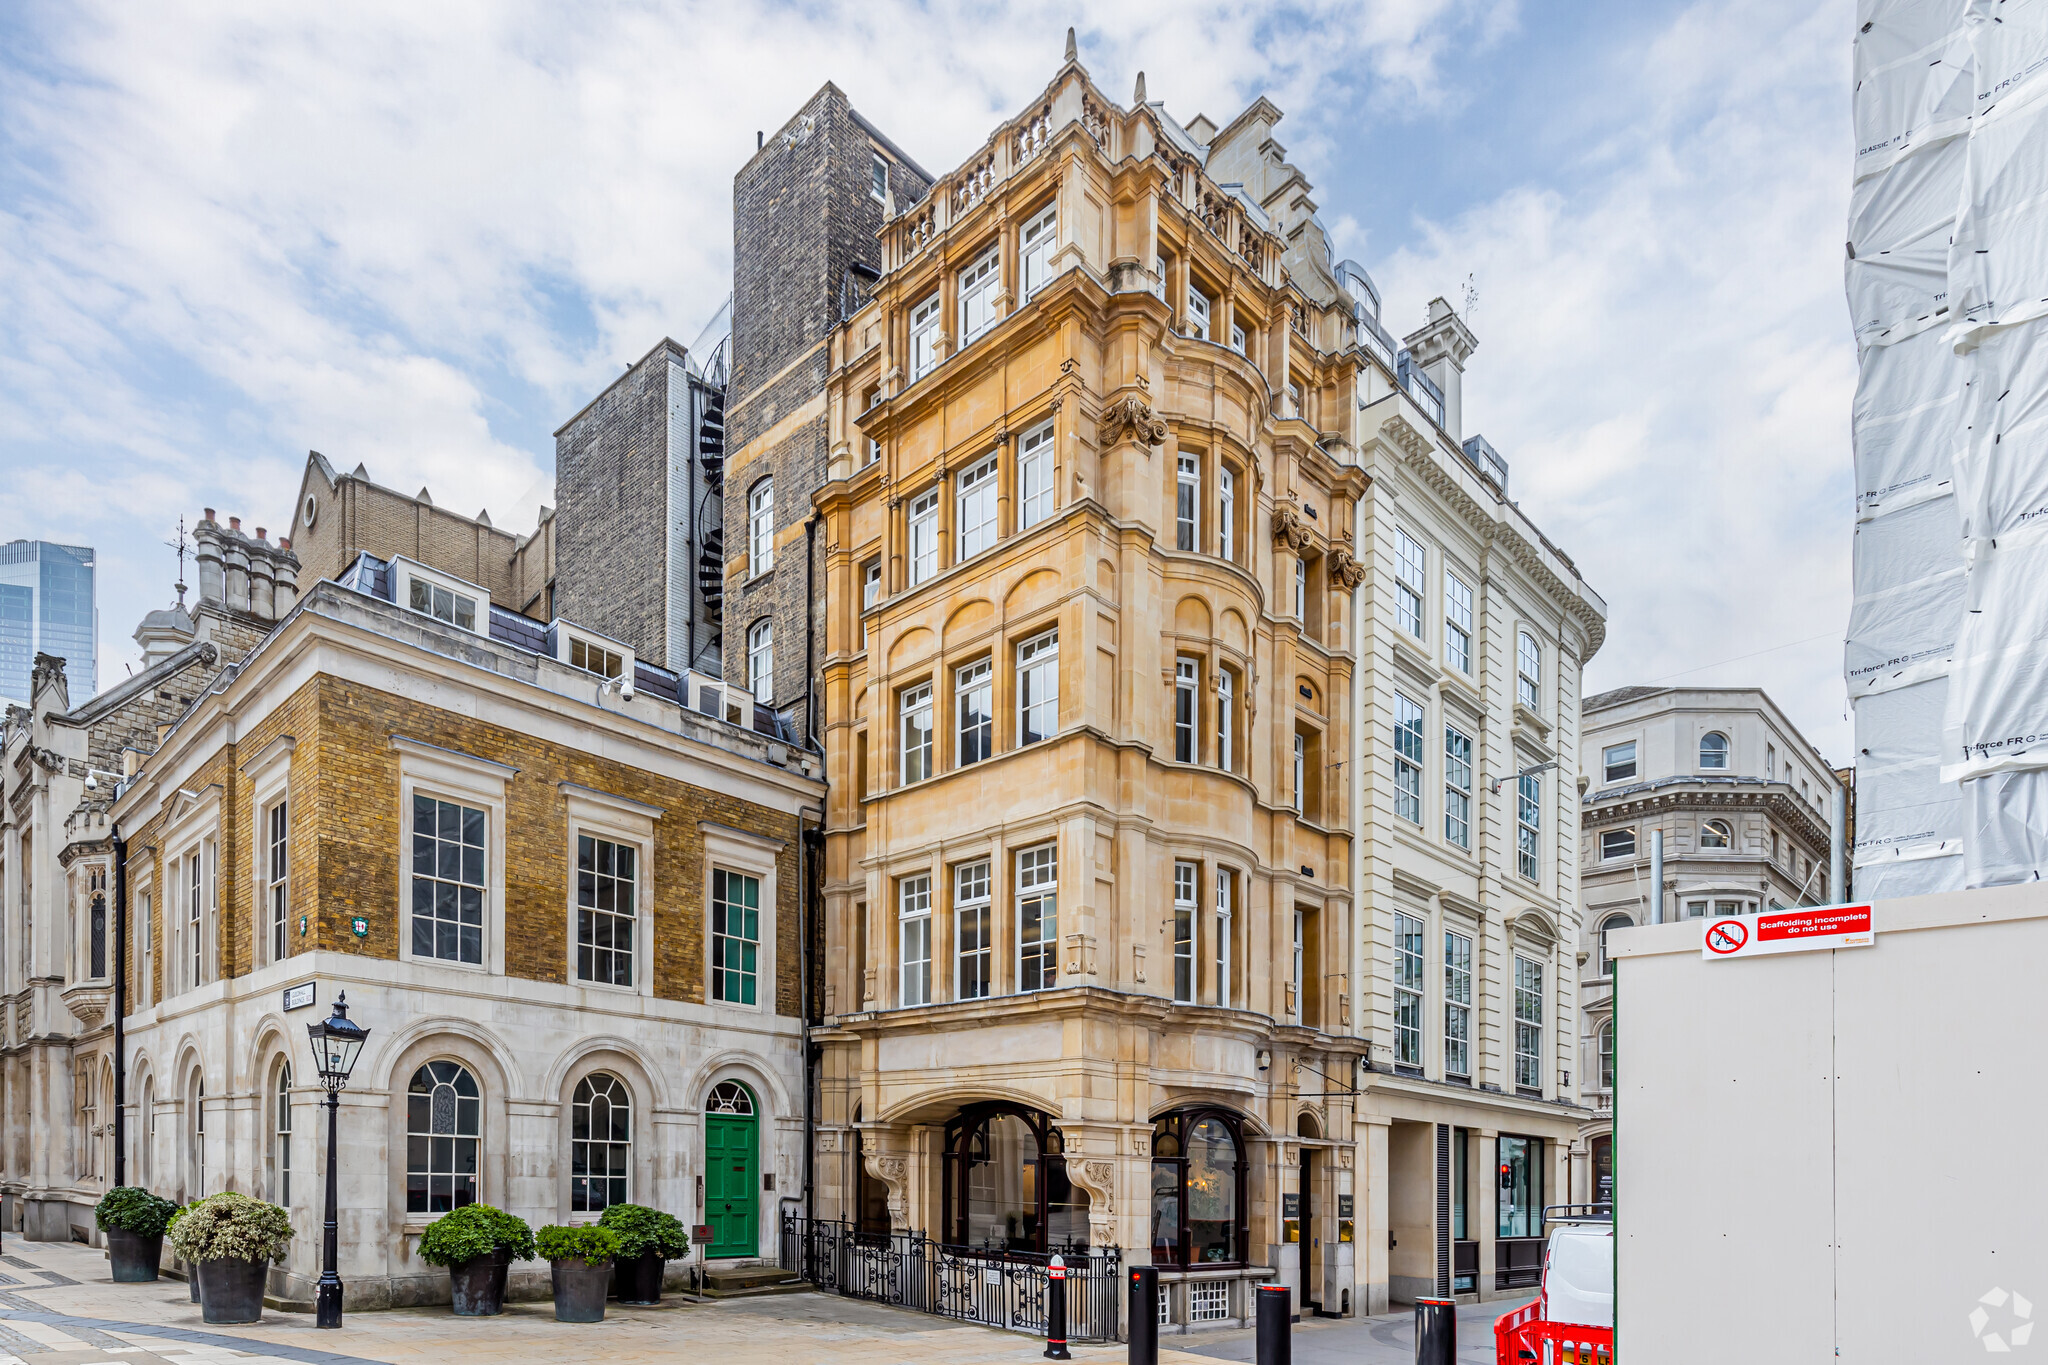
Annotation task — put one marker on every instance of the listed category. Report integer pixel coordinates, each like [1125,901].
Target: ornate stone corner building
[1138,862]
[60,766]
[1743,801]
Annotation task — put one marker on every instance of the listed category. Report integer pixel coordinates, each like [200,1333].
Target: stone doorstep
[727,1282]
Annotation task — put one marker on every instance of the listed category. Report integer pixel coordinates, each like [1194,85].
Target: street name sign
[1806,928]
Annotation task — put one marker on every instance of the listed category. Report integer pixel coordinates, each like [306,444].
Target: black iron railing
[985,1285]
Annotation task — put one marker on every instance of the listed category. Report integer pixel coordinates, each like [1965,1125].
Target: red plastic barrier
[1523,1338]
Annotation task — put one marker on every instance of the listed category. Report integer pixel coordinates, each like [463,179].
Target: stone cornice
[1418,452]
[1776,799]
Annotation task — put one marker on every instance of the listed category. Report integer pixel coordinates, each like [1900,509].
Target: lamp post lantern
[336,1043]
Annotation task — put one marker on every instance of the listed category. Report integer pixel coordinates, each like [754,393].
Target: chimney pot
[284,542]
[261,534]
[234,523]
[209,514]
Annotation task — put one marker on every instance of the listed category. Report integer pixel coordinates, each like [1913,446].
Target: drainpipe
[1656,876]
[813,851]
[120,1008]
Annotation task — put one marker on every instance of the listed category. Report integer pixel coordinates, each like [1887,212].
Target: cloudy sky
[420,236]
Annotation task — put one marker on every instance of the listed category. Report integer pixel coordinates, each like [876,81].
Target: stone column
[1370,1258]
[1483,1207]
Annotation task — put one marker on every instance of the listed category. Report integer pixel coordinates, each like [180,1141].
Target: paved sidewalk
[59,1306]
[1385,1340]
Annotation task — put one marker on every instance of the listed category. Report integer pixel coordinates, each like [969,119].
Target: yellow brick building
[566,898]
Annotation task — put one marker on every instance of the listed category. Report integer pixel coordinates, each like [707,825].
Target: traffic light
[1507,1176]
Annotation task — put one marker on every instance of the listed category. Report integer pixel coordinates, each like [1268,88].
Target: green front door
[731,1203]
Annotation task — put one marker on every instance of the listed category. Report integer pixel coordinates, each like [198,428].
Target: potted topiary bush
[648,1240]
[231,1239]
[581,1259]
[134,1221]
[478,1245]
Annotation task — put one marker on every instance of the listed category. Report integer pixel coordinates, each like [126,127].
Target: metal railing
[985,1285]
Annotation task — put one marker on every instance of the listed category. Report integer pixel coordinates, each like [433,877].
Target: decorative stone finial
[1138,96]
[1072,53]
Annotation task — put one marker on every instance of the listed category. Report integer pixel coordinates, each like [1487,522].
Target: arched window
[1606,1045]
[145,1150]
[761,527]
[600,1144]
[1716,834]
[443,1118]
[1198,1189]
[1612,922]
[281,1138]
[1006,1182]
[761,660]
[730,1097]
[1714,750]
[195,1136]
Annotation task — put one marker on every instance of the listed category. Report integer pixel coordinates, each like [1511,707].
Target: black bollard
[1144,1329]
[1436,1332]
[1056,1310]
[1275,1348]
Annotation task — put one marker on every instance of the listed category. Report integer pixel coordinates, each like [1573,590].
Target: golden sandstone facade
[1101,467]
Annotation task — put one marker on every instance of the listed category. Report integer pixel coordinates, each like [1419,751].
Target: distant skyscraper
[46,606]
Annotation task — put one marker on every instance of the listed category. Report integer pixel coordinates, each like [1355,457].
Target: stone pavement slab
[65,1308]
[1385,1340]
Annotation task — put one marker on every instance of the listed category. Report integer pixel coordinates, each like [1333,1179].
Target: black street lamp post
[336,1042]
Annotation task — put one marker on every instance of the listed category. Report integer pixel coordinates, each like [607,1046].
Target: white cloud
[1665,358]
[230,233]
[419,236]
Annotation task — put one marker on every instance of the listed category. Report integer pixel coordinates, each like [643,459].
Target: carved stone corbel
[1290,530]
[1134,415]
[1345,570]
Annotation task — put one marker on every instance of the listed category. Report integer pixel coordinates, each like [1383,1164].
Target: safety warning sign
[1802,929]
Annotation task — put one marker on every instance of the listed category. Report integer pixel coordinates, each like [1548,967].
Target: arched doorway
[1006,1182]
[731,1165]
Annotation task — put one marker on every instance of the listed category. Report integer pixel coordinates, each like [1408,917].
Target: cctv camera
[92,783]
[626,688]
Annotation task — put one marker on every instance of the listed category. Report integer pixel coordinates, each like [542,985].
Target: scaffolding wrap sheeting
[1947,280]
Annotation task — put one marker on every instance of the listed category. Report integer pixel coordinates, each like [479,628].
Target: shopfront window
[1198,1189]
[1006,1183]
[1521,1186]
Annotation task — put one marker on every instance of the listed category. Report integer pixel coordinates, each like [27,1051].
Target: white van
[1578,1265]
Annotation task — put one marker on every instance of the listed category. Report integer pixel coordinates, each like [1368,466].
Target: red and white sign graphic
[1804,929]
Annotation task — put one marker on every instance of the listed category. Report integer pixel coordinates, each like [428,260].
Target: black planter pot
[192,1280]
[479,1285]
[231,1290]
[134,1255]
[580,1289]
[637,1280]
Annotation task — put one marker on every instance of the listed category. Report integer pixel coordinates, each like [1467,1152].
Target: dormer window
[592,657]
[442,596]
[443,604]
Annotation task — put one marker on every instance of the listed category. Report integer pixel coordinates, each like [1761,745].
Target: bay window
[1038,920]
[916,712]
[924,536]
[1034,476]
[1187,503]
[924,337]
[978,283]
[914,940]
[1035,243]
[1038,687]
[1186,691]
